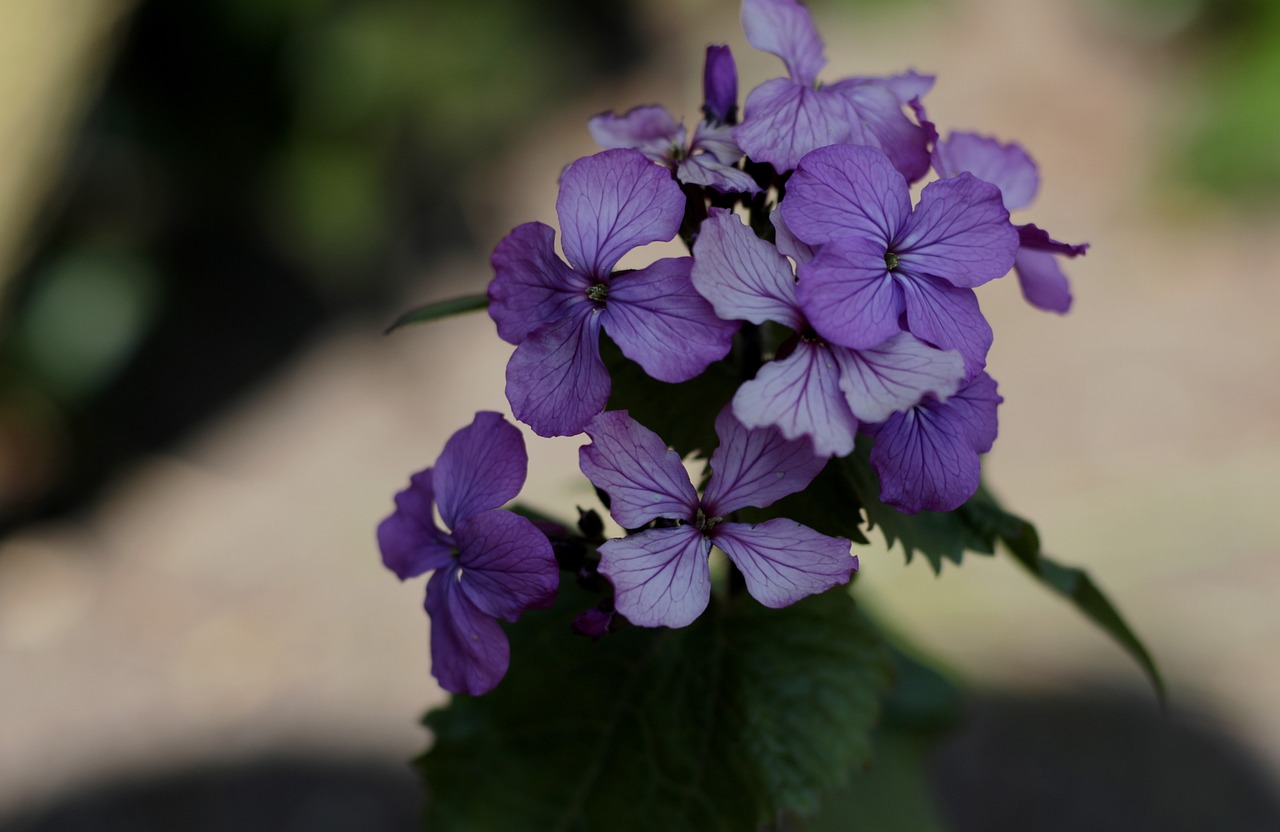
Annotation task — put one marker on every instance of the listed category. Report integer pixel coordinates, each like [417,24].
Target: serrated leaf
[439,309]
[723,725]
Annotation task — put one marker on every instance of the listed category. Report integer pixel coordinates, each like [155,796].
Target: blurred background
[209,211]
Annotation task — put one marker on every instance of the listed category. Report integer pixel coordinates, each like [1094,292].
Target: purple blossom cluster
[802,232]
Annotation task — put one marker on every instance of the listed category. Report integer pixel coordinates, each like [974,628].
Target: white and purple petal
[649,129]
[660,576]
[783,561]
[642,476]
[947,317]
[409,540]
[843,191]
[1007,166]
[556,380]
[613,202]
[785,28]
[756,467]
[849,295]
[507,564]
[658,320]
[895,375]
[531,285]
[959,232]
[469,650]
[482,467]
[706,170]
[742,276]
[784,120]
[800,395]
[787,243]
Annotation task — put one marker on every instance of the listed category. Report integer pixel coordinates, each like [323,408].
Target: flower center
[890,260]
[704,523]
[598,293]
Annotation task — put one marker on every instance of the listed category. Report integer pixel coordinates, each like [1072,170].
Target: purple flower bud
[720,86]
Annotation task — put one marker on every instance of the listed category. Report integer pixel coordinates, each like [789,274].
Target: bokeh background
[209,211]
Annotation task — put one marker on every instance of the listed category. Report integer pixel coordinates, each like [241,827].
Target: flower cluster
[847,309]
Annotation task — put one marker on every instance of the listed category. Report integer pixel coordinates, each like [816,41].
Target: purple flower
[879,261]
[928,457]
[492,564]
[815,389]
[788,117]
[553,312]
[720,86]
[1009,168]
[661,575]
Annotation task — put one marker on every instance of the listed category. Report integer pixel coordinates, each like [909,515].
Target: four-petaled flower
[661,575]
[491,564]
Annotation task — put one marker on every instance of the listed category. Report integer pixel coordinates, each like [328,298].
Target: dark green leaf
[440,309]
[829,505]
[723,725]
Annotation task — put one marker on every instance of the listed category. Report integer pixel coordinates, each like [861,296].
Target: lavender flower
[492,564]
[878,259]
[813,388]
[720,86]
[1009,168]
[661,575]
[608,204]
[788,117]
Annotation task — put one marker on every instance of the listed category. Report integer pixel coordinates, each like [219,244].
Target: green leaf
[829,505]
[439,309]
[723,725]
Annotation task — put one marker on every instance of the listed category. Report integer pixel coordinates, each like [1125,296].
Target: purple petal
[660,321]
[742,276]
[884,125]
[642,476]
[660,576]
[704,169]
[1032,236]
[787,243]
[649,129]
[973,408]
[507,564]
[717,140]
[800,395]
[469,650]
[408,539]
[922,118]
[612,202]
[849,295]
[481,467]
[959,232]
[947,317]
[784,120]
[846,190]
[1007,166]
[785,28]
[783,561]
[719,85]
[555,380]
[895,375]
[531,285]
[1043,283]
[756,467]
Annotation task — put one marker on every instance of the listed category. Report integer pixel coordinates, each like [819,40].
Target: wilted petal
[612,202]
[1007,166]
[531,285]
[947,317]
[787,243]
[555,380]
[1043,282]
[895,375]
[660,576]
[846,190]
[755,467]
[1032,236]
[783,561]
[469,651]
[719,84]
[704,169]
[784,120]
[849,295]
[742,276]
[408,539]
[507,564]
[481,467]
[642,476]
[785,28]
[800,395]
[879,110]
[660,321]
[959,232]
[649,129]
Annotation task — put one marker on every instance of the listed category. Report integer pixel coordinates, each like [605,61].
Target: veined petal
[895,375]
[531,285]
[704,169]
[717,140]
[787,243]
[785,28]
[507,564]
[843,191]
[849,295]
[1042,280]
[959,232]
[408,539]
[924,462]
[660,576]
[1007,166]
[878,108]
[783,561]
[784,120]
[973,409]
[905,87]
[756,467]
[800,395]
[742,276]
[469,651]
[612,202]
[481,467]
[555,379]
[947,317]
[649,129]
[642,476]
[660,321]
[719,84]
